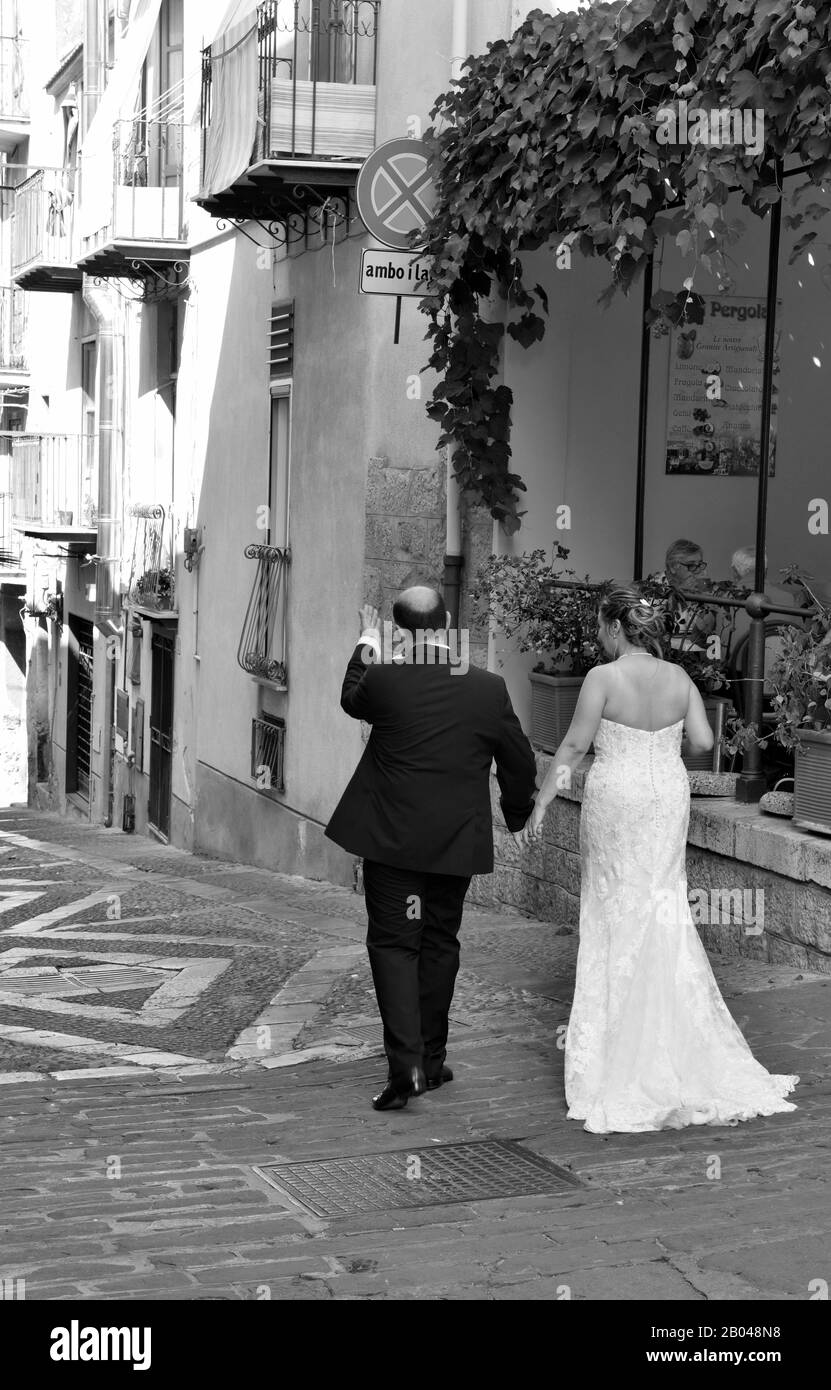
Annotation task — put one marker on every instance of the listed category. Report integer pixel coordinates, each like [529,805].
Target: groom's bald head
[420,609]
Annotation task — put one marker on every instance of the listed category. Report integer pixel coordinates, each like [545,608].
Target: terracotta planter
[812,782]
[717,707]
[553,702]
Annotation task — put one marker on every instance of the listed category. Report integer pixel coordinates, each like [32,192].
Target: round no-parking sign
[395,193]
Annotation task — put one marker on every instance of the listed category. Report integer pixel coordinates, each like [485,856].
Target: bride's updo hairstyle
[641,623]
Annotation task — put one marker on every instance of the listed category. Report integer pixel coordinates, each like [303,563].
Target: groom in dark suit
[418,812]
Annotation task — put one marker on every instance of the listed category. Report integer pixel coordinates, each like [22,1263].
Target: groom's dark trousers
[418,811]
[413,944]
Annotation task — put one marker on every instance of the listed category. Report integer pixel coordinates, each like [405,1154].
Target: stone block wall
[405,529]
[406,537]
[732,849]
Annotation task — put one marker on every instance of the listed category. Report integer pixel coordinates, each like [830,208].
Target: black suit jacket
[420,796]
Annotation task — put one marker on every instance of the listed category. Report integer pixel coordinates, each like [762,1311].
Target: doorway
[161,729]
[79,707]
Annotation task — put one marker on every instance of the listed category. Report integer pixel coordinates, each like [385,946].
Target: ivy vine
[551,138]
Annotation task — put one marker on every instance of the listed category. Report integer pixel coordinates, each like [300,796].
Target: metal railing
[148,187]
[14,312]
[262,646]
[44,219]
[268,749]
[152,582]
[13,99]
[54,479]
[317,69]
[10,540]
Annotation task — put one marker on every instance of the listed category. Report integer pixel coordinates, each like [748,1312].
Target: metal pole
[752,782]
[643,408]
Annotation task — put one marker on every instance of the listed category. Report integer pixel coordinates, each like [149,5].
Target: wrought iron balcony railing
[54,479]
[147,216]
[13,100]
[148,188]
[262,646]
[14,306]
[152,582]
[316,80]
[44,220]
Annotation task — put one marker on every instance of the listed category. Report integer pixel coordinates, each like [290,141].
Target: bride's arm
[574,747]
[696,724]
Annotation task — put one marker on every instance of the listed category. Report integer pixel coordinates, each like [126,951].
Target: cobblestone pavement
[172,1026]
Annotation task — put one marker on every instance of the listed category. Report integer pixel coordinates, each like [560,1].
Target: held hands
[531,832]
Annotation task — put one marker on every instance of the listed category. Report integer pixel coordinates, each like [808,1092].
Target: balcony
[14,108]
[43,242]
[54,485]
[14,367]
[147,228]
[315,110]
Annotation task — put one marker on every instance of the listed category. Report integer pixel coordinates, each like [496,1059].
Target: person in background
[742,573]
[692,622]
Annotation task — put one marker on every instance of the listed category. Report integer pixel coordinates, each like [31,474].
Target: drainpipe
[92,63]
[100,305]
[453,559]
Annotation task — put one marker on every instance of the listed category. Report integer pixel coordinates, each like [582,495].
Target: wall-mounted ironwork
[152,573]
[262,645]
[268,753]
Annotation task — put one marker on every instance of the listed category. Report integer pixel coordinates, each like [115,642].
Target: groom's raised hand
[369,618]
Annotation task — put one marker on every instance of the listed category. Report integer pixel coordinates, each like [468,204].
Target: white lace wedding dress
[650,1042]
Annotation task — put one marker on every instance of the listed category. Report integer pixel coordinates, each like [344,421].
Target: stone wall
[406,536]
[405,529]
[732,848]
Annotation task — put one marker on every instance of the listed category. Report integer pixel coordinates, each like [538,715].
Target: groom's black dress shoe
[395,1097]
[433,1082]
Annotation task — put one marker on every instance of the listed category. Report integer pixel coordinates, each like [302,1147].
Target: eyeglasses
[694,565]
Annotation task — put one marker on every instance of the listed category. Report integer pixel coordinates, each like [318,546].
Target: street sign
[394,192]
[393,272]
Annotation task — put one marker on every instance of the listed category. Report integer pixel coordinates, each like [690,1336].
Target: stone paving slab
[138,1179]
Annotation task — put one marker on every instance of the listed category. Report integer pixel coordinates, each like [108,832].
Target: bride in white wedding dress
[650,1044]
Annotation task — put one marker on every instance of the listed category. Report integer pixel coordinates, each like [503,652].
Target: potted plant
[558,624]
[801,681]
[155,590]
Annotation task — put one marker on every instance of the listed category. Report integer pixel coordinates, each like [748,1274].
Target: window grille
[262,646]
[268,746]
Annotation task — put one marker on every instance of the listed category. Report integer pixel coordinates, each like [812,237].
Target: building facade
[225,449]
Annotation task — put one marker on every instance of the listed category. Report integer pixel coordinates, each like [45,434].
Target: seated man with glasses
[692,623]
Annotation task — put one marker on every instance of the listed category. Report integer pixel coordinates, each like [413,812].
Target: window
[278,482]
[167,350]
[89,364]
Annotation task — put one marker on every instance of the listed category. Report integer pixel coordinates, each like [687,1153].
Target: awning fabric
[118,101]
[229,139]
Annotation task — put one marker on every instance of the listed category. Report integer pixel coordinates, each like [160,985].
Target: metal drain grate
[473,1172]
